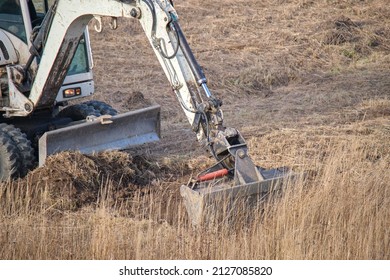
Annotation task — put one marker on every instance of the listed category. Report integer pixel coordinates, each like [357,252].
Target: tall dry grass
[340,211]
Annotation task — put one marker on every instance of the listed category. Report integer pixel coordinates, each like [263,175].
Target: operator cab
[18,21]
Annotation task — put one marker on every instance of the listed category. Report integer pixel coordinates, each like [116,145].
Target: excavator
[46,67]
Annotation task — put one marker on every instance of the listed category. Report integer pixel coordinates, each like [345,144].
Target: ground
[306,83]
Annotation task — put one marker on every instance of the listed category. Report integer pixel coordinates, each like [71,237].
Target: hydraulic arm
[55,45]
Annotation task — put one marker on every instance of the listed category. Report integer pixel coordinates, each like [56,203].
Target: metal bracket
[245,170]
[19,104]
[167,7]
[104,119]
[99,27]
[114,23]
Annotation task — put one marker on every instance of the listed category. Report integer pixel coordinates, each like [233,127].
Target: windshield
[11,18]
[37,9]
[41,6]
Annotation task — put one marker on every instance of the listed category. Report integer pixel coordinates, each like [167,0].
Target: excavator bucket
[225,198]
[103,133]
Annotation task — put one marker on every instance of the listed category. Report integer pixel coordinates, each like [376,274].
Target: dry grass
[306,82]
[339,212]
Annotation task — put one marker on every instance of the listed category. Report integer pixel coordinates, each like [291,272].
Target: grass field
[307,83]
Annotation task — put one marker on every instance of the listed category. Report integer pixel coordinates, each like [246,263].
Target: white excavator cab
[19,19]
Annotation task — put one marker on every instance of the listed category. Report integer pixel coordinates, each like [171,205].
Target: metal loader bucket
[204,201]
[100,134]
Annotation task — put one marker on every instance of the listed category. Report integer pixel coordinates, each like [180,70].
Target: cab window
[11,18]
[80,60]
[38,9]
[40,6]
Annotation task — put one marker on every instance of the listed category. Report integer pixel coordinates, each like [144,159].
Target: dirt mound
[71,180]
[343,31]
[136,100]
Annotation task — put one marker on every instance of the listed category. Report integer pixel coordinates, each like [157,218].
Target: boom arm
[56,45]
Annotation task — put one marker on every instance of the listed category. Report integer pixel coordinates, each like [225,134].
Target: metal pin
[206,90]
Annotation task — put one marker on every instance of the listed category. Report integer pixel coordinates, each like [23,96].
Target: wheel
[9,158]
[80,111]
[103,108]
[17,156]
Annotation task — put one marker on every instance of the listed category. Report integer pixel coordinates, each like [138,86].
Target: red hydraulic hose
[213,175]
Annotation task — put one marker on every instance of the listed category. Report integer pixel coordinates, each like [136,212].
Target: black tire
[9,158]
[80,111]
[103,108]
[24,150]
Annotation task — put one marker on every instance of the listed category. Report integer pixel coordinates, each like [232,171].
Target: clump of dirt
[342,30]
[136,100]
[360,38]
[72,180]
[363,38]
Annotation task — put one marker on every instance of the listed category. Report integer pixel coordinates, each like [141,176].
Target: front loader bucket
[117,133]
[203,201]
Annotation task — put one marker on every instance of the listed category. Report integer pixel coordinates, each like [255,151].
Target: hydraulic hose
[195,68]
